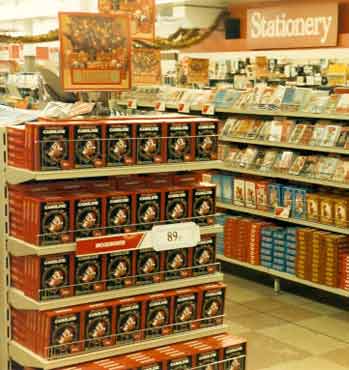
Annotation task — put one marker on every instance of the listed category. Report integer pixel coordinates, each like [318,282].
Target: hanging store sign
[95,51]
[142,14]
[146,67]
[293,26]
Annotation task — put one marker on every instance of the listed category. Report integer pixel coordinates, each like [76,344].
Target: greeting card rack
[11,297]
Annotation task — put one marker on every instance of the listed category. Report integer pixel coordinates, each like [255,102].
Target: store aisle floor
[286,332]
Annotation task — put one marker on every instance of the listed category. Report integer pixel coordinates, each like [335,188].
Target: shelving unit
[285,276]
[30,359]
[254,112]
[296,221]
[18,300]
[20,248]
[282,176]
[227,167]
[322,149]
[18,175]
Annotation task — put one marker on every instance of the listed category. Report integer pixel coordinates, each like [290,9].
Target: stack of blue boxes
[291,247]
[267,246]
[280,250]
[220,220]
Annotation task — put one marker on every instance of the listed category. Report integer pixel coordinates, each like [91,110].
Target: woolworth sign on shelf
[293,26]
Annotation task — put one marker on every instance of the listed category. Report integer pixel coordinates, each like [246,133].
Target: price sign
[132,104]
[183,235]
[183,108]
[208,109]
[160,106]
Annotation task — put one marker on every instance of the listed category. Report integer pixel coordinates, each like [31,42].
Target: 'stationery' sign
[293,26]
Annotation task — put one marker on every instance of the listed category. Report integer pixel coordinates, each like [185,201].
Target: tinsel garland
[182,38]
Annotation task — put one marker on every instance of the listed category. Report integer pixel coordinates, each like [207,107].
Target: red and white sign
[160,106]
[208,109]
[183,108]
[293,26]
[109,244]
[132,104]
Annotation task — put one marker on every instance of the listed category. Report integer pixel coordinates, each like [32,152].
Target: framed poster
[146,66]
[95,51]
[142,12]
[198,71]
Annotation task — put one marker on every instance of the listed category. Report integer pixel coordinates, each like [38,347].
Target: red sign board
[108,244]
[293,26]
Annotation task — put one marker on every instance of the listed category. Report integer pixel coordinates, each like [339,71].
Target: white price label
[208,109]
[160,106]
[132,104]
[183,108]
[182,235]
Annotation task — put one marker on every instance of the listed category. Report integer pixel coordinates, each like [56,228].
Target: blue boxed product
[268,231]
[292,252]
[266,258]
[299,204]
[279,234]
[290,271]
[291,238]
[274,198]
[266,263]
[280,248]
[266,252]
[279,268]
[227,186]
[279,261]
[292,231]
[277,254]
[287,197]
[267,239]
[217,180]
[279,243]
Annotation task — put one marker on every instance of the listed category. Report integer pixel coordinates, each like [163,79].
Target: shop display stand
[5,330]
[11,350]
[225,166]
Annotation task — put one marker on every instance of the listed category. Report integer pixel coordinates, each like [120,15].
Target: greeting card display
[95,51]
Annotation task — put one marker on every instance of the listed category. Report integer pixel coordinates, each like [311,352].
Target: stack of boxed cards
[344,276]
[318,247]
[254,245]
[279,251]
[220,220]
[267,246]
[336,247]
[303,260]
[291,250]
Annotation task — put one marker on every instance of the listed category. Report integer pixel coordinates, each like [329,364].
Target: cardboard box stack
[291,250]
[344,276]
[267,246]
[319,256]
[243,239]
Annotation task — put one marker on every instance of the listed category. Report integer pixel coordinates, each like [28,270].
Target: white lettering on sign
[281,26]
[114,243]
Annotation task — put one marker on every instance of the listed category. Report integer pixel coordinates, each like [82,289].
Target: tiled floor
[286,331]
